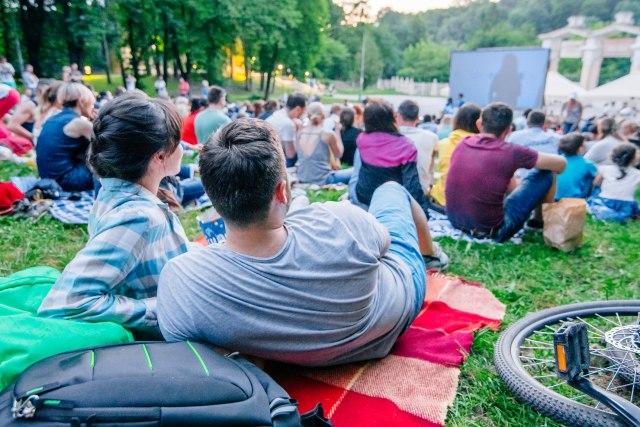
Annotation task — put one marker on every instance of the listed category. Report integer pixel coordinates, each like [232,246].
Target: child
[616,201]
[577,178]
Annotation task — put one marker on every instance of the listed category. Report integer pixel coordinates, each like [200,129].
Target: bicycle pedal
[571,349]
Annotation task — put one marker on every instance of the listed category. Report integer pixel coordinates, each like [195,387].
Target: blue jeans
[341,176]
[192,189]
[391,206]
[569,127]
[522,201]
[79,178]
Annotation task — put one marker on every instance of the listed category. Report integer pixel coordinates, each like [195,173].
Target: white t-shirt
[283,124]
[619,189]
[425,142]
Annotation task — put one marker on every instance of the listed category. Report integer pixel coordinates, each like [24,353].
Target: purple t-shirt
[481,168]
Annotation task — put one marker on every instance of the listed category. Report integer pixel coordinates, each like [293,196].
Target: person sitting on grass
[327,284]
[619,183]
[464,125]
[319,151]
[577,178]
[386,155]
[483,198]
[132,234]
[63,142]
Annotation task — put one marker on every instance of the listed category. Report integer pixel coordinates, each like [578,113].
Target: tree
[425,61]
[502,35]
[334,61]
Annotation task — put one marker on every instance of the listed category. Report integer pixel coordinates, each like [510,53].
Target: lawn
[527,278]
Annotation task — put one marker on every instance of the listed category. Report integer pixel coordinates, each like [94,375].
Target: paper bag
[564,223]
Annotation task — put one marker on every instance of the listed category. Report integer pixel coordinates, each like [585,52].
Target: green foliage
[570,68]
[373,61]
[425,61]
[334,62]
[614,68]
[502,35]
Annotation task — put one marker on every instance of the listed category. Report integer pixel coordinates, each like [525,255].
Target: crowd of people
[320,284]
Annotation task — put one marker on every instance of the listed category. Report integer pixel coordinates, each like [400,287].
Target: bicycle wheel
[524,359]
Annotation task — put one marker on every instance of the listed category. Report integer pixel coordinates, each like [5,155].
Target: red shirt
[188,133]
[481,168]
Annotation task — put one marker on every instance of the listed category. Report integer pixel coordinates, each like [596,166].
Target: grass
[525,277]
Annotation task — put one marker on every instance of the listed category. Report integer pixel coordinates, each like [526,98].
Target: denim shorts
[391,205]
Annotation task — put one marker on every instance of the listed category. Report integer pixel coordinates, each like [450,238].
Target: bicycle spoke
[589,324]
[608,320]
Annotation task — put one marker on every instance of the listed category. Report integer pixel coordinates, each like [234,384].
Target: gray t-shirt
[600,152]
[331,295]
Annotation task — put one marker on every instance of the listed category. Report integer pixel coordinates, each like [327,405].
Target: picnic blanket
[26,338]
[440,226]
[416,383]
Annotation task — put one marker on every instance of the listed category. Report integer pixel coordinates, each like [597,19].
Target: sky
[409,6]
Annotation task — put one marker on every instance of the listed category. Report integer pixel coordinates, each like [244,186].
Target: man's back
[283,125]
[331,295]
[207,122]
[537,139]
[481,169]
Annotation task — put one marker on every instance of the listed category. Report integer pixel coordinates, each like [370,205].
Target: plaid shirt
[132,235]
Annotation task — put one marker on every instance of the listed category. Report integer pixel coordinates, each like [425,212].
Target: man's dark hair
[346,118]
[270,106]
[536,119]
[296,100]
[197,103]
[378,117]
[496,118]
[427,118]
[240,167]
[570,144]
[216,94]
[409,110]
[466,118]
[129,131]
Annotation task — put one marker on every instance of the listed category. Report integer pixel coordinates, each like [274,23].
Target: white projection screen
[515,76]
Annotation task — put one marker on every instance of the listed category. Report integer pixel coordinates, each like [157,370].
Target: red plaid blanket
[416,383]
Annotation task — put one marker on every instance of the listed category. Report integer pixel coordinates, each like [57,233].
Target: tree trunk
[32,17]
[176,55]
[165,51]
[107,58]
[266,91]
[261,81]
[247,74]
[135,61]
[187,75]
[122,71]
[6,31]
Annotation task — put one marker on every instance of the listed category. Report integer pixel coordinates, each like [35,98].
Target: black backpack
[150,384]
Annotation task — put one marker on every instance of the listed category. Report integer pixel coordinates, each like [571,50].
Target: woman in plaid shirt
[132,234]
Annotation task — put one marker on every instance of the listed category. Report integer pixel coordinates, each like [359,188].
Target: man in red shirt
[483,197]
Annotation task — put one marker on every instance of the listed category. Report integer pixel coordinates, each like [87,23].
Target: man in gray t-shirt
[329,284]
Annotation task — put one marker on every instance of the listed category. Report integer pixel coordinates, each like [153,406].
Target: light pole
[358,14]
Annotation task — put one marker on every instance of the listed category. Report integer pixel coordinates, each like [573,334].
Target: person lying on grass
[132,234]
[329,283]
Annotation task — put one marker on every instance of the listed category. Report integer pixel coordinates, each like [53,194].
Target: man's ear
[281,194]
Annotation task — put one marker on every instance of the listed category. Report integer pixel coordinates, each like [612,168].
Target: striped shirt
[132,235]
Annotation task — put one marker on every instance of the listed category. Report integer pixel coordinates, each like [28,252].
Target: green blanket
[26,338]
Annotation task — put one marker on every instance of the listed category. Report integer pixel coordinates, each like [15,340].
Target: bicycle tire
[527,389]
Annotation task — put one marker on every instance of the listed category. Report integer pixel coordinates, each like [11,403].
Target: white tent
[621,89]
[560,87]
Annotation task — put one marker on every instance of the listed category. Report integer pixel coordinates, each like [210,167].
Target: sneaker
[438,261]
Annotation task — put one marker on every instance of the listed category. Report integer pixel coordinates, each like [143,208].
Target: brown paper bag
[564,223]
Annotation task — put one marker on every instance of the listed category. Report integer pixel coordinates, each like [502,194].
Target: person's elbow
[551,162]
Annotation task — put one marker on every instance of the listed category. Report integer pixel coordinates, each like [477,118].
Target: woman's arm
[87,288]
[79,127]
[335,143]
[24,113]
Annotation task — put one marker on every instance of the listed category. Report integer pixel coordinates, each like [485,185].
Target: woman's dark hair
[466,118]
[570,144]
[607,127]
[623,156]
[378,117]
[129,131]
[197,103]
[346,118]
